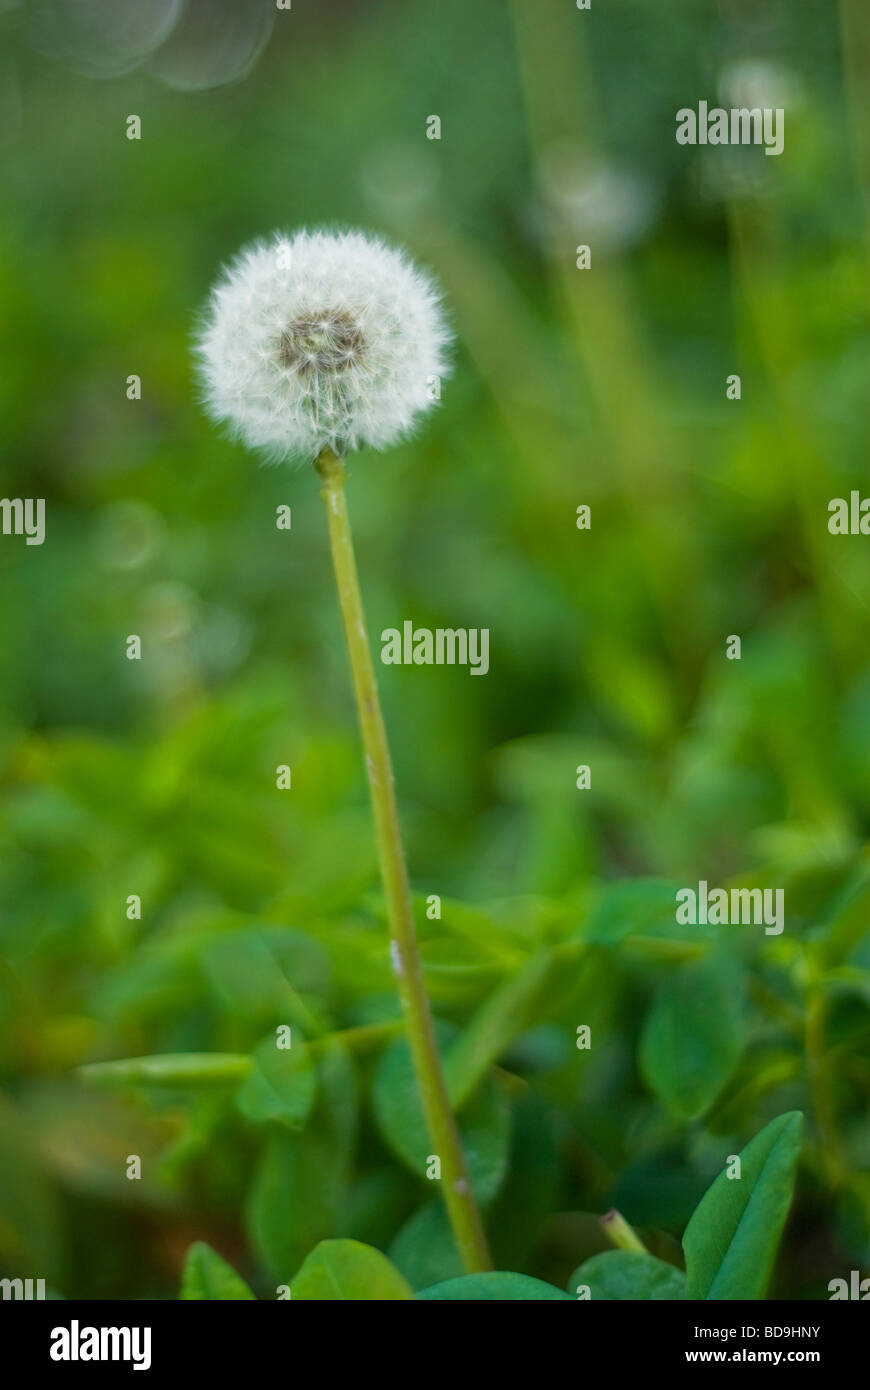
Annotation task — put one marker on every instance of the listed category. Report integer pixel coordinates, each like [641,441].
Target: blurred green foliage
[709,518]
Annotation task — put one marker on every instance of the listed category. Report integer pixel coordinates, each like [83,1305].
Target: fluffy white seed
[321,339]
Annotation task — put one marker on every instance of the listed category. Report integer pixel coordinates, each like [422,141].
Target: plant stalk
[620,1234]
[458,1197]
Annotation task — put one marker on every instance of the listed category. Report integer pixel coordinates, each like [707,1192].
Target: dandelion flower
[312,346]
[321,340]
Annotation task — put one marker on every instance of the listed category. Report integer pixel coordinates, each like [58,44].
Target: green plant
[730,1244]
[319,343]
[256,909]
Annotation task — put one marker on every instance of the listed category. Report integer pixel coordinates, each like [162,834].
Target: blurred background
[604,387]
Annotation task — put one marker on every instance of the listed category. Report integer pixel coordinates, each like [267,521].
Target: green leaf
[179,1070]
[208,1276]
[529,1194]
[633,907]
[484,1123]
[497,1287]
[250,970]
[626,1274]
[347,1269]
[424,1250]
[731,1240]
[298,1194]
[281,1085]
[295,1199]
[377,1204]
[692,1036]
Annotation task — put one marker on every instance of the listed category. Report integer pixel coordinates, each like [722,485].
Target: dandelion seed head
[321,339]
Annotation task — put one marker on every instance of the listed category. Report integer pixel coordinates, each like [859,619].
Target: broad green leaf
[377,1204]
[173,1069]
[424,1250]
[347,1269]
[633,907]
[625,1274]
[295,1199]
[208,1276]
[484,1123]
[267,975]
[496,1287]
[298,1195]
[692,1036]
[529,1194]
[732,1238]
[281,1085]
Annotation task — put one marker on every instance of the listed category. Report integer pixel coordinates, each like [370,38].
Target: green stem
[620,1234]
[458,1196]
[198,1070]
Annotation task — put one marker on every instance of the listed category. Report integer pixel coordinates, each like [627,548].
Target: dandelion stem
[456,1187]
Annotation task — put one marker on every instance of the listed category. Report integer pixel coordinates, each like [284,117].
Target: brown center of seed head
[330,341]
